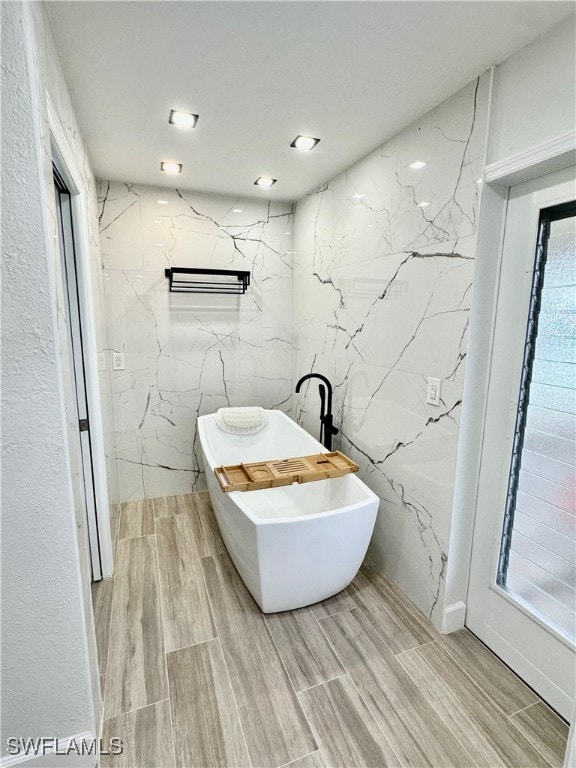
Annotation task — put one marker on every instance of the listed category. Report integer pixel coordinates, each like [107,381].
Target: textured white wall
[46,686]
[535,94]
[51,83]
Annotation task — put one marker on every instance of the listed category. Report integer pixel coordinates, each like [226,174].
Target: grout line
[287,765]
[349,675]
[114,586]
[192,645]
[434,703]
[296,698]
[164,644]
[221,644]
[328,615]
[324,682]
[526,736]
[417,647]
[137,709]
[192,510]
[476,685]
[532,704]
[234,700]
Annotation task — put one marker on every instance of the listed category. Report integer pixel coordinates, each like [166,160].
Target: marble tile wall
[186,355]
[383,275]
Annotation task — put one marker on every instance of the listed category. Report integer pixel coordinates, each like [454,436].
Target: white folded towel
[241,421]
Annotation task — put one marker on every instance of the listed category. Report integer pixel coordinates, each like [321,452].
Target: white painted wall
[46,646]
[534,94]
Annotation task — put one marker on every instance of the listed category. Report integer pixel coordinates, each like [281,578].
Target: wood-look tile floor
[195,676]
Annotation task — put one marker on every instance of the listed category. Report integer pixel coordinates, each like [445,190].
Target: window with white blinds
[538,555]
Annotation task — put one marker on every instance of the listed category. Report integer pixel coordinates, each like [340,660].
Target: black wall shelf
[183,280]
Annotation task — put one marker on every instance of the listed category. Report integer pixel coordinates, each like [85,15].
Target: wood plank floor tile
[207,731]
[544,730]
[274,725]
[146,738]
[102,606]
[415,732]
[136,669]
[136,519]
[347,732]
[114,524]
[401,625]
[491,738]
[306,653]
[185,609]
[314,760]
[340,602]
[204,525]
[165,506]
[486,669]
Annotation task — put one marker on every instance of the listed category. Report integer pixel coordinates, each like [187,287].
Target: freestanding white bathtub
[295,545]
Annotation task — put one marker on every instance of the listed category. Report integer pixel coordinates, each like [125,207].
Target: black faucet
[327,428]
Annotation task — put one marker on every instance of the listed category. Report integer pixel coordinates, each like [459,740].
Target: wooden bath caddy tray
[272,474]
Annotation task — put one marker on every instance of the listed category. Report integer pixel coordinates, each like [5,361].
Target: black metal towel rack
[179,283]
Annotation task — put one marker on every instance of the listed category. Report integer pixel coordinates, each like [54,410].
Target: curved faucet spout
[326,418]
[322,378]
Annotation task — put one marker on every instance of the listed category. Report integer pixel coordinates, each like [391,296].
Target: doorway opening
[80,444]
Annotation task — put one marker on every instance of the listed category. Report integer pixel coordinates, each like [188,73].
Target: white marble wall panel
[382,291]
[185,354]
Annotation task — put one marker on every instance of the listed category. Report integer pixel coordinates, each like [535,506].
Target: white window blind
[540,561]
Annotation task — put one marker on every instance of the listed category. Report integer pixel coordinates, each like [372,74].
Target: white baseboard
[453,617]
[52,759]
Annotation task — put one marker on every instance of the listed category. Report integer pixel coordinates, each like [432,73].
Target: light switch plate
[118,361]
[433,391]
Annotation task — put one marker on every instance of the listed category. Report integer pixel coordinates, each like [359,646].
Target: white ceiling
[258,73]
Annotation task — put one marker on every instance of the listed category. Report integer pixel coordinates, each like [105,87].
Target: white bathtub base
[296,545]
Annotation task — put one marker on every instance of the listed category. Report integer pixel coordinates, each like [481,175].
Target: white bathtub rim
[236,497]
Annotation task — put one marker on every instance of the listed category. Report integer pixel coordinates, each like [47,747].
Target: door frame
[498,177]
[505,623]
[68,168]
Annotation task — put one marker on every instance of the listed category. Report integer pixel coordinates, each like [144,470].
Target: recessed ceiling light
[371,225]
[358,196]
[163,202]
[236,210]
[287,233]
[304,142]
[265,181]
[158,221]
[160,245]
[182,119]
[169,167]
[423,205]
[417,164]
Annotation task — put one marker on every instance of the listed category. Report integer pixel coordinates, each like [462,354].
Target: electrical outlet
[118,361]
[433,391]
[101,361]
